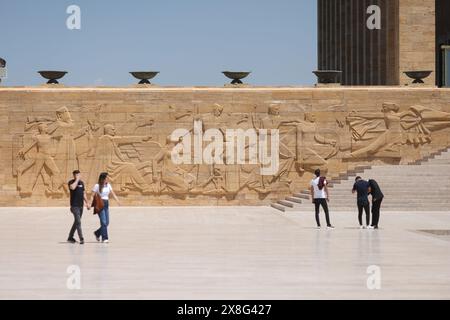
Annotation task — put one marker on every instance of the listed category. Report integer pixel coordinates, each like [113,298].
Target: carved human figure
[212,120]
[307,135]
[216,119]
[43,162]
[413,126]
[64,129]
[388,139]
[419,122]
[176,115]
[225,179]
[109,158]
[135,122]
[93,130]
[217,179]
[167,175]
[400,128]
[252,179]
[262,184]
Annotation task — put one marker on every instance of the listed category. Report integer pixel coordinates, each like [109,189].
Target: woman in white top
[104,189]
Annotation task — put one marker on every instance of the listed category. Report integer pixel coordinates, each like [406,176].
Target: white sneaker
[330,227]
[318,228]
[370,227]
[105,241]
[363,227]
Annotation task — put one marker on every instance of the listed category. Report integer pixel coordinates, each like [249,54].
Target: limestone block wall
[417,30]
[46,133]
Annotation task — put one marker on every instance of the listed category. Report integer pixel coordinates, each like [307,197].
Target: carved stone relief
[137,152]
[384,133]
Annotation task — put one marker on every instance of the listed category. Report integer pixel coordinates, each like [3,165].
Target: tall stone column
[417,30]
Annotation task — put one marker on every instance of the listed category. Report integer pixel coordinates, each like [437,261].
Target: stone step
[393,194]
[442,158]
[406,183]
[442,182]
[431,188]
[433,165]
[398,174]
[302,195]
[294,199]
[355,210]
[430,192]
[384,184]
[352,203]
[278,207]
[424,186]
[441,161]
[420,190]
[403,179]
[409,206]
[417,172]
[286,203]
[432,168]
[337,201]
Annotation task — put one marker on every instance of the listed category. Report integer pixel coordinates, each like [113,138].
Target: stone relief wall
[48,133]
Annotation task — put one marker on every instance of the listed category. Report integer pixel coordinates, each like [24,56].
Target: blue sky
[189,41]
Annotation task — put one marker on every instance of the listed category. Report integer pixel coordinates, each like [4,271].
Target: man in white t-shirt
[320,197]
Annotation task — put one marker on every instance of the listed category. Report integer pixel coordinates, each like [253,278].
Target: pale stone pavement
[222,253]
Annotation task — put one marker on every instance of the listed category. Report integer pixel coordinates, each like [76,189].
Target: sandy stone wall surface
[417,30]
[46,133]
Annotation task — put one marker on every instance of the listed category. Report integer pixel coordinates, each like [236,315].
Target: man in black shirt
[77,201]
[361,188]
[377,198]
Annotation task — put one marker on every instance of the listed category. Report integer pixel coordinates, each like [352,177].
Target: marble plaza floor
[223,253]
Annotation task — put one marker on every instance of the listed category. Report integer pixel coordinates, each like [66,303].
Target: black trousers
[324,204]
[77,214]
[376,205]
[366,207]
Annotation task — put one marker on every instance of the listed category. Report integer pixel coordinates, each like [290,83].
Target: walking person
[320,197]
[77,201]
[377,199]
[103,188]
[361,188]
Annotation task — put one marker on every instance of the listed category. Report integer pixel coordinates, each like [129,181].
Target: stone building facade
[408,40]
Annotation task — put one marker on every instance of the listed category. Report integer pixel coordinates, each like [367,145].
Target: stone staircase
[423,185]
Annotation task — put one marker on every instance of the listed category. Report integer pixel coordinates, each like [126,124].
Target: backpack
[321,184]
